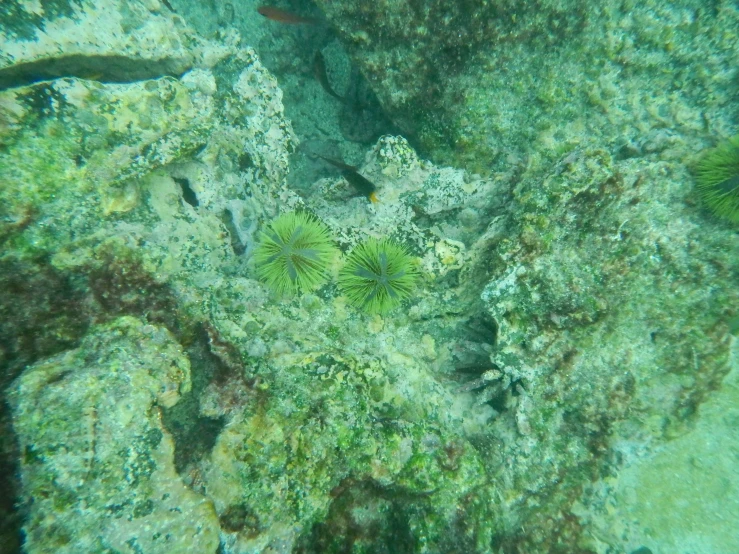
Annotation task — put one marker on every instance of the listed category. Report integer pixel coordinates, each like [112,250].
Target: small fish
[282,16]
[319,70]
[350,173]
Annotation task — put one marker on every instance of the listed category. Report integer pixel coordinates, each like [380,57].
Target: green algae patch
[312,438]
[98,470]
[70,144]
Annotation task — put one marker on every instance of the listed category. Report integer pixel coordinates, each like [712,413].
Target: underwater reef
[528,344]
[479,83]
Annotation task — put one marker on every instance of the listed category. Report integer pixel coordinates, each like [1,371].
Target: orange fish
[276,14]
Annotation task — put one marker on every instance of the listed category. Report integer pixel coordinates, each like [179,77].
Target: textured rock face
[479,82]
[97,466]
[89,230]
[575,308]
[143,198]
[107,40]
[609,334]
[81,194]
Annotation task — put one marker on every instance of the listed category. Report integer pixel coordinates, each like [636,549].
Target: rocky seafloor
[564,378]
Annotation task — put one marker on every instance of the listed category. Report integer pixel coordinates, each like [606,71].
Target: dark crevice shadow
[106,69]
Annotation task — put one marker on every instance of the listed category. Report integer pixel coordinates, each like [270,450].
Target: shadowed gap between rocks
[106,69]
[195,435]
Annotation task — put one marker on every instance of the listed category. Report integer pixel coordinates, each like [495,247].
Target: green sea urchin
[378,275]
[717,177]
[294,253]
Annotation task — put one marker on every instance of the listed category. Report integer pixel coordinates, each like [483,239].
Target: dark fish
[319,70]
[350,173]
[282,16]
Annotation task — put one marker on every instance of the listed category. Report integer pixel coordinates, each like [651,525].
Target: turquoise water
[394,277]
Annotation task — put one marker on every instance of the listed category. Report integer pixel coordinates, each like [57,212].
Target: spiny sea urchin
[294,253]
[717,177]
[378,275]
